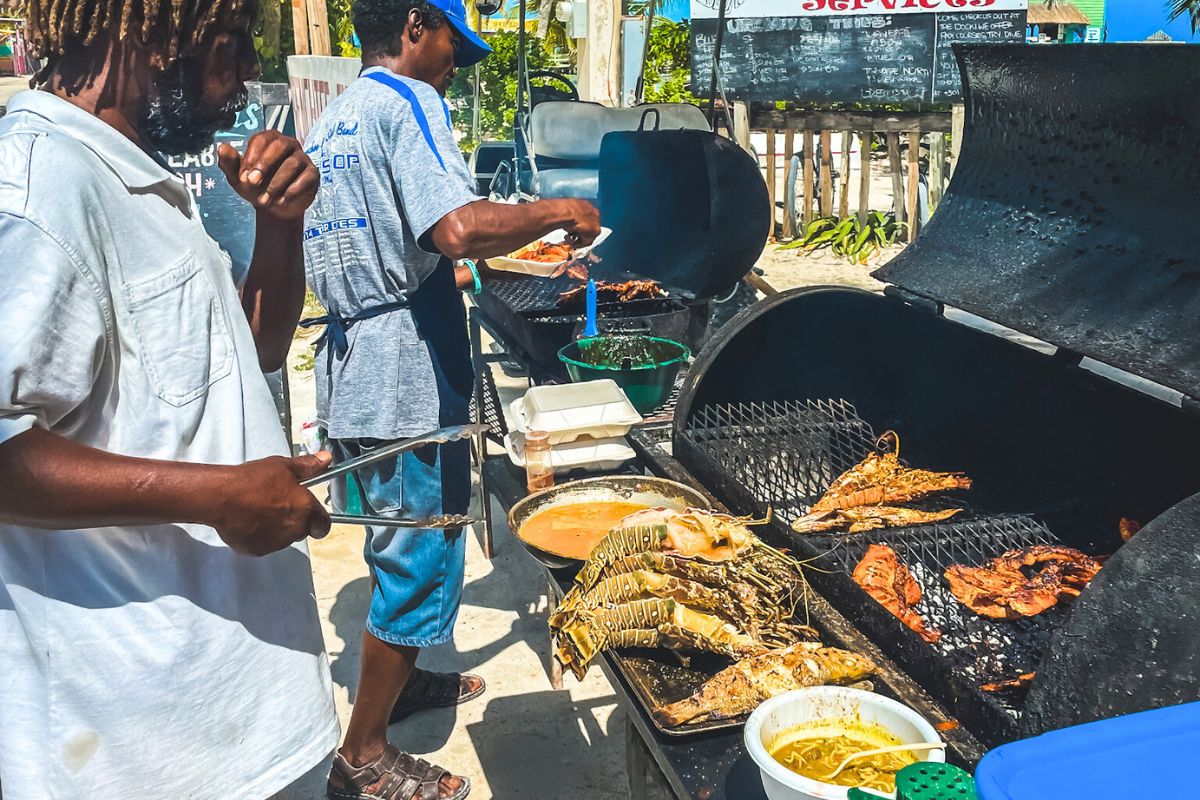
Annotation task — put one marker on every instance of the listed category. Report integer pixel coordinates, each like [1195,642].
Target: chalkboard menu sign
[882,51]
[227,217]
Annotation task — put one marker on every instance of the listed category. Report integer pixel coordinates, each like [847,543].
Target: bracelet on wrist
[470,263]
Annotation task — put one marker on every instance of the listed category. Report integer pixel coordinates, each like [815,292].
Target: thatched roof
[1056,14]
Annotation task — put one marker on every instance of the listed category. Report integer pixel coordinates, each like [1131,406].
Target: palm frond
[1188,8]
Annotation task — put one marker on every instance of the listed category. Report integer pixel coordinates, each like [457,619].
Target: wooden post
[826,174]
[741,124]
[914,182]
[937,168]
[897,170]
[864,177]
[789,221]
[844,199]
[771,178]
[318,28]
[958,120]
[807,173]
[300,26]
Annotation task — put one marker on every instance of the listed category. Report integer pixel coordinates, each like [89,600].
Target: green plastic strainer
[927,780]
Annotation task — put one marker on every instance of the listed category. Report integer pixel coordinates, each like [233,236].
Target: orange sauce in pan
[574,529]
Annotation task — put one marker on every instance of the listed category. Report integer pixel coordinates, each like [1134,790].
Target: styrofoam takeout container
[570,410]
[809,706]
[586,453]
[543,269]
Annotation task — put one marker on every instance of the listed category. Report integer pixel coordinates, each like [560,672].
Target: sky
[1134,20]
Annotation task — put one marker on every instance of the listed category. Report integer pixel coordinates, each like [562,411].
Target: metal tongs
[441,436]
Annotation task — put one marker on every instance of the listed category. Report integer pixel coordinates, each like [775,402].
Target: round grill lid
[687,208]
[1070,216]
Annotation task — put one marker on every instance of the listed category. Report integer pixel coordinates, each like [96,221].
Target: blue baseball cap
[473,49]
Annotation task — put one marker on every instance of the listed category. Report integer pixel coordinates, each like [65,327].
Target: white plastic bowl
[806,706]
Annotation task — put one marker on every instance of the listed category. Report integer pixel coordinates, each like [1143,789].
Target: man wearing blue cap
[395,209]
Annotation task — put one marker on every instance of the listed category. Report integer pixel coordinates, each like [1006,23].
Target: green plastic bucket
[645,367]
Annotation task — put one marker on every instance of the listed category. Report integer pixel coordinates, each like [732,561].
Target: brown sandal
[399,777]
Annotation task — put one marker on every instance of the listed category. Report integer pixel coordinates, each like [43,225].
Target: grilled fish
[869,518]
[1002,589]
[884,576]
[739,689]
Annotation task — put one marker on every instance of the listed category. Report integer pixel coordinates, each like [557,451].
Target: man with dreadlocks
[158,627]
[396,208]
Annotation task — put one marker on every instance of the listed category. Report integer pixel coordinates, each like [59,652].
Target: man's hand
[274,175]
[584,225]
[266,509]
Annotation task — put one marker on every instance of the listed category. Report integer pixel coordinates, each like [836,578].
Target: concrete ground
[521,739]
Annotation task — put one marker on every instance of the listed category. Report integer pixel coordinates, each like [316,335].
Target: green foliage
[1185,8]
[341,28]
[847,238]
[668,63]
[498,87]
[274,40]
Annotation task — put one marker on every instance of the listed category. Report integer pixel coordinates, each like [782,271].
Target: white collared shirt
[151,661]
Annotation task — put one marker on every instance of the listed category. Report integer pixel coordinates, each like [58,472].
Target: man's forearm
[273,295]
[52,482]
[484,229]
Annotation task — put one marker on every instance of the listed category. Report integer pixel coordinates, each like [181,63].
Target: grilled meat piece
[881,479]
[1128,528]
[739,689]
[884,576]
[1022,582]
[614,292]
[868,518]
[545,252]
[1024,679]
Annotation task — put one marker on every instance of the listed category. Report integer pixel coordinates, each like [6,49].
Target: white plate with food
[545,256]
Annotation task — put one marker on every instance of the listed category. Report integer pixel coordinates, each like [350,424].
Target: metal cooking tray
[659,677]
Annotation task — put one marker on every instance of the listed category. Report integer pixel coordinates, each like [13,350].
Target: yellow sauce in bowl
[815,750]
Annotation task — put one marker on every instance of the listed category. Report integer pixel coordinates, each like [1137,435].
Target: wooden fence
[810,135]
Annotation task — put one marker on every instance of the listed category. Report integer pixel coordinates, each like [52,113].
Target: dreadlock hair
[380,24]
[56,28]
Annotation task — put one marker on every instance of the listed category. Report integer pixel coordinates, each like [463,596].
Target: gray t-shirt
[390,170]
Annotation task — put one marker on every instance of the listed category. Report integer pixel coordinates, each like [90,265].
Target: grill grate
[785,454]
[980,649]
[524,295]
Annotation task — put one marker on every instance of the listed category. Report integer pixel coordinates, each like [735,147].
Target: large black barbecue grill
[688,210]
[1068,219]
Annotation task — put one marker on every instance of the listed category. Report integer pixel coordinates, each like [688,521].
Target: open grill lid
[1071,213]
[688,209]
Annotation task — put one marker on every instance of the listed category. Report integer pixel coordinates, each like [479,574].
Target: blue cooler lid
[1134,756]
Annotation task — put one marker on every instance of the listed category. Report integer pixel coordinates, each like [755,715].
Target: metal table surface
[715,766]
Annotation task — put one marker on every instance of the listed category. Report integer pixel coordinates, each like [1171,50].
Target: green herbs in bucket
[644,366]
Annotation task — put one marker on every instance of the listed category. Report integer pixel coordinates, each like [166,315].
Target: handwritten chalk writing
[871,56]
[824,8]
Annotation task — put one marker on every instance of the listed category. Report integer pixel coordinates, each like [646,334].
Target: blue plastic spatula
[589,324]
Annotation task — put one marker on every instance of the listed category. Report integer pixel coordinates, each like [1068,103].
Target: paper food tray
[593,454]
[543,269]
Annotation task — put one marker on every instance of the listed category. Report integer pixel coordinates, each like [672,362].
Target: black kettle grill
[688,209]
[1069,220]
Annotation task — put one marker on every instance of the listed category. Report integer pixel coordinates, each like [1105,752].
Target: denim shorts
[416,574]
